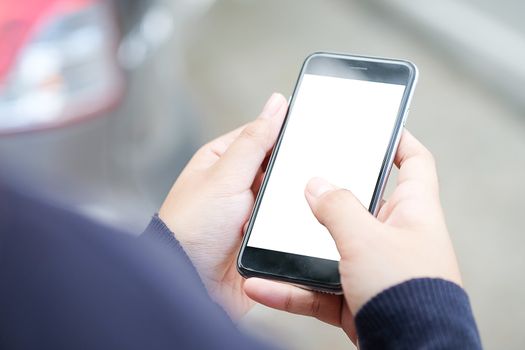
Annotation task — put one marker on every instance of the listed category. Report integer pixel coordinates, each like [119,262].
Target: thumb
[244,156]
[339,211]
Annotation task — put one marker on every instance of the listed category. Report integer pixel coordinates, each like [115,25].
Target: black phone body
[344,123]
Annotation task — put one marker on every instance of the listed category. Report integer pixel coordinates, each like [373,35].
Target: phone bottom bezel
[305,271]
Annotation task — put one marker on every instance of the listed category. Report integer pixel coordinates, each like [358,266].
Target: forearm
[420,313]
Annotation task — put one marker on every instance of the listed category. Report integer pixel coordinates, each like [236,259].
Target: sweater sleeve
[71,283]
[423,313]
[157,230]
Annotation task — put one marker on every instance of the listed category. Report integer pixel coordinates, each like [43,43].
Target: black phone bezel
[311,272]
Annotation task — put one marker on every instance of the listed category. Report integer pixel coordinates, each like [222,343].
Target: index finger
[328,308]
[415,162]
[325,307]
[213,150]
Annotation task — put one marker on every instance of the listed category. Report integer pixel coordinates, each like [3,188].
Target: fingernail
[317,187]
[272,106]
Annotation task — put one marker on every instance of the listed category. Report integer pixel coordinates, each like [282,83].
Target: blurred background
[102,102]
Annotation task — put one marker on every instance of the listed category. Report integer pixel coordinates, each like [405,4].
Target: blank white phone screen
[338,129]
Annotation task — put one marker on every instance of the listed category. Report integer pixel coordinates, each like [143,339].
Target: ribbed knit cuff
[421,313]
[159,231]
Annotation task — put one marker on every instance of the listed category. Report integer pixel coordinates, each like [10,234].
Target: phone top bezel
[251,260]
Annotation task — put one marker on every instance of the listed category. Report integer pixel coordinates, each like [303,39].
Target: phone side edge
[393,145]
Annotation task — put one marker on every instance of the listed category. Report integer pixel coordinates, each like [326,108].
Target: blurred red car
[63,62]
[57,62]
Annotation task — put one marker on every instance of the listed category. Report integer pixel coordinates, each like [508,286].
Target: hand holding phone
[211,200]
[407,240]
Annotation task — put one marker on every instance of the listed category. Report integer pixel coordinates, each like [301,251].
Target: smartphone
[343,124]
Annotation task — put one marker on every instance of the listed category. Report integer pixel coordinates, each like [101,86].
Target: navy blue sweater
[69,283]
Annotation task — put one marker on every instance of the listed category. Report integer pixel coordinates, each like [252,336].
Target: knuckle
[331,200]
[429,157]
[330,204]
[432,168]
[288,302]
[315,305]
[257,131]
[203,148]
[201,152]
